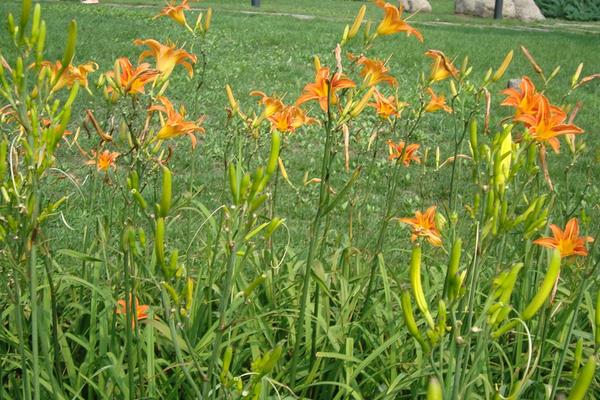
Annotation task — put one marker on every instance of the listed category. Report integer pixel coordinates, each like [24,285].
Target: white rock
[416,5]
[525,10]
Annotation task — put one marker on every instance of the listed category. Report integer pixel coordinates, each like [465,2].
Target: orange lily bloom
[176,13]
[320,88]
[408,155]
[568,242]
[289,119]
[442,67]
[272,104]
[437,102]
[132,80]
[387,107]
[176,125]
[548,123]
[104,160]
[70,75]
[141,311]
[375,71]
[167,56]
[392,23]
[525,99]
[423,225]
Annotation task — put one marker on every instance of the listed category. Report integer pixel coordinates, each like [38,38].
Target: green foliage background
[576,10]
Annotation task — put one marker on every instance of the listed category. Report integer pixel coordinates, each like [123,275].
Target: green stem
[173,331]
[225,296]
[565,345]
[314,234]
[34,321]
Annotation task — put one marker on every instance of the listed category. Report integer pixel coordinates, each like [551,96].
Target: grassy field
[356,344]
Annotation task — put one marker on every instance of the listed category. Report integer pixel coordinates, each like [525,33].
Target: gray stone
[416,5]
[525,10]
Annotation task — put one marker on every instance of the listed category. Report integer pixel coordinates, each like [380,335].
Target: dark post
[498,10]
[255,3]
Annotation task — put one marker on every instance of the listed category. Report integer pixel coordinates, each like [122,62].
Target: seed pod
[273,225]
[189,293]
[502,69]
[360,106]
[208,19]
[473,142]
[12,29]
[70,47]
[434,389]
[244,186]
[35,25]
[545,288]
[172,293]
[345,35]
[576,75]
[159,243]
[256,180]
[584,380]
[233,183]
[135,179]
[166,195]
[274,155]
[415,282]
[172,263]
[409,318]
[257,202]
[25,11]
[357,22]
[488,75]
[450,288]
[142,236]
[368,29]
[453,90]
[232,102]
[554,73]
[137,196]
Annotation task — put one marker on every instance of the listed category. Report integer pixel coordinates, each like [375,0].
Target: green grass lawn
[274,53]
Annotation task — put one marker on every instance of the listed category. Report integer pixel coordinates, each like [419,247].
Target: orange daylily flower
[525,100]
[320,88]
[176,125]
[374,71]
[271,104]
[167,56]
[70,75]
[132,80]
[568,242]
[423,225]
[176,13]
[104,160]
[141,311]
[387,107]
[408,155]
[442,67]
[289,119]
[437,102]
[392,23]
[548,123]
